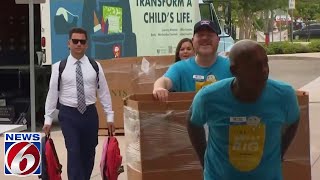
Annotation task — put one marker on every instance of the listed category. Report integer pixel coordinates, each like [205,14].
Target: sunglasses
[76,41]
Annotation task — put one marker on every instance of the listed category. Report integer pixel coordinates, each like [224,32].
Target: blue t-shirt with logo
[187,75]
[245,138]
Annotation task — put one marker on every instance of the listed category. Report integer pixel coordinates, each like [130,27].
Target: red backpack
[110,164]
[51,167]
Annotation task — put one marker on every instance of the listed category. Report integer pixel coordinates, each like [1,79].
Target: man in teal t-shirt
[246,116]
[187,76]
[203,69]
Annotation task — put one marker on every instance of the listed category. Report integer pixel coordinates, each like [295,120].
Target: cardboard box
[124,77]
[158,145]
[297,164]
[118,90]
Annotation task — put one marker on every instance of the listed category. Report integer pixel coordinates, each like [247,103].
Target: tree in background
[307,9]
[245,13]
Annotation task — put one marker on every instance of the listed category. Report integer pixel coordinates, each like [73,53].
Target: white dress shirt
[68,88]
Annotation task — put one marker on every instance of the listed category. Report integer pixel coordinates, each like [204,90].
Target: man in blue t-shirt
[203,69]
[246,116]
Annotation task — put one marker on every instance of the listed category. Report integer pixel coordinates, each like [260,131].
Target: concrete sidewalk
[297,56]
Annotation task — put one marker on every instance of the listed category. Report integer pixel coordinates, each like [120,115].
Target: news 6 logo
[22,152]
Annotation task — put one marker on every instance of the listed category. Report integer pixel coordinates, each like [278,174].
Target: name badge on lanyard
[198,77]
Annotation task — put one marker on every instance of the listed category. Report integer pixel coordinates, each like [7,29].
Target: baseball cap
[206,23]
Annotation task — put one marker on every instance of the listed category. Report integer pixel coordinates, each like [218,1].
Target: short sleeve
[226,64]
[199,114]
[291,106]
[173,73]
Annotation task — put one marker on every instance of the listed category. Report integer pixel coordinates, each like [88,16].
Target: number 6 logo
[23,159]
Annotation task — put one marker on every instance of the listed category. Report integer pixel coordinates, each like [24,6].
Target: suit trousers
[80,132]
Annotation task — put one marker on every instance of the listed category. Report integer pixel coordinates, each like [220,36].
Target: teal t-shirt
[245,138]
[187,75]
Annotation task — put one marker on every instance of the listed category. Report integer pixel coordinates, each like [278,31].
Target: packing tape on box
[303,161]
[163,135]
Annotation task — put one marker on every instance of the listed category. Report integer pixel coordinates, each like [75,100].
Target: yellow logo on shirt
[246,143]
[209,80]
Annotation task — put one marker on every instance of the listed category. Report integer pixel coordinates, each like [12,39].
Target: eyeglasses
[76,41]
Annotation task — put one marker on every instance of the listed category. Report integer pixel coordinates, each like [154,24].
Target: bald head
[249,64]
[247,50]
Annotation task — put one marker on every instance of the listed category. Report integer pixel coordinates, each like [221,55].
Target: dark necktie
[80,89]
